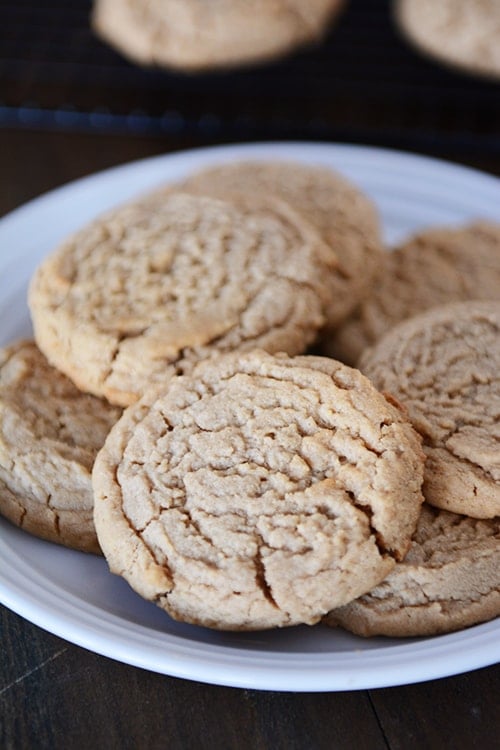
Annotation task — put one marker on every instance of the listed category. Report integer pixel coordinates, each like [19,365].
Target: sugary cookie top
[163,280]
[344,216]
[49,436]
[258,491]
[449,579]
[444,367]
[434,267]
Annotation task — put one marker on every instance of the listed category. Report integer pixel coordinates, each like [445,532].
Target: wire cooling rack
[363,83]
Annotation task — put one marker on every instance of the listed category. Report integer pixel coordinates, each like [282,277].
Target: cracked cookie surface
[167,280]
[197,35]
[450,579]
[444,367]
[343,215]
[49,436]
[259,491]
[434,267]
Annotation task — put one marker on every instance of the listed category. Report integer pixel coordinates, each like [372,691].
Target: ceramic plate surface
[73,595]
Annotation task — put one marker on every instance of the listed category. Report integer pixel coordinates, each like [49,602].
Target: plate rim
[188,667]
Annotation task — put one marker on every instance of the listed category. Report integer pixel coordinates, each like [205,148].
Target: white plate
[73,595]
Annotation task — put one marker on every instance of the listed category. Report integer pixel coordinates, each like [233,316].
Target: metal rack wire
[364,83]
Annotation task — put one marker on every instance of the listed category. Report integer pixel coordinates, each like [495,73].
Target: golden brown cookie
[450,579]
[434,267]
[49,436]
[166,281]
[444,367]
[462,33]
[195,35]
[259,491]
[345,218]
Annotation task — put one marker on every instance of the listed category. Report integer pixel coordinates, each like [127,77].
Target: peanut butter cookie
[434,267]
[167,280]
[461,33]
[444,367]
[343,215]
[196,35]
[258,491]
[450,579]
[49,436]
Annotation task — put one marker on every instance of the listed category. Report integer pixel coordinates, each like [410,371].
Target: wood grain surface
[56,695]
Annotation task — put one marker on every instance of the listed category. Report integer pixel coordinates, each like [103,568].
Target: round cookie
[461,33]
[168,280]
[49,436]
[195,35]
[444,367]
[450,579]
[434,267]
[259,491]
[345,218]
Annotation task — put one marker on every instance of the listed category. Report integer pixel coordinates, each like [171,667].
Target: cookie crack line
[473,464]
[260,575]
[384,551]
[22,511]
[135,532]
[55,511]
[185,354]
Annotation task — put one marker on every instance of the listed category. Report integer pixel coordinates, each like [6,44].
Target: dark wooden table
[56,695]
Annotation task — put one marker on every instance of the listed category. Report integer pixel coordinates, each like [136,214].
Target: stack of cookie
[429,333]
[246,484]
[443,366]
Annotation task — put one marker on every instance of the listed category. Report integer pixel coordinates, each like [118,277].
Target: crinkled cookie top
[259,491]
[345,217]
[444,367]
[437,266]
[449,579]
[50,433]
[171,278]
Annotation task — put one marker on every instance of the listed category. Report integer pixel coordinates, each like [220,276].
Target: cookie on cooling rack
[259,491]
[193,35]
[49,436]
[461,33]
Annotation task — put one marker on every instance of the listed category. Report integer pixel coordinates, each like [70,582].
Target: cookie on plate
[444,367]
[193,35]
[450,579]
[434,267]
[259,491]
[168,280]
[344,216]
[49,436]
[462,33]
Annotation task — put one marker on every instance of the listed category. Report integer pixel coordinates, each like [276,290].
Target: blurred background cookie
[194,35]
[461,33]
